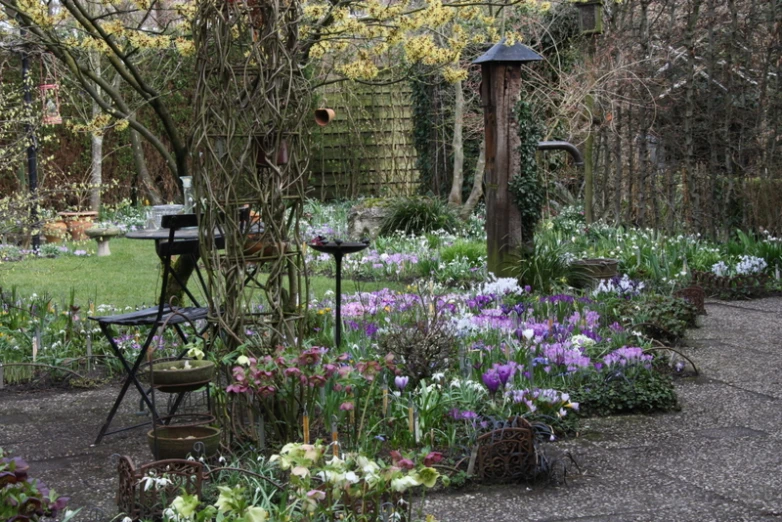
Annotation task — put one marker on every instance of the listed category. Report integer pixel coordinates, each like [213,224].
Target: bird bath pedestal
[338,249]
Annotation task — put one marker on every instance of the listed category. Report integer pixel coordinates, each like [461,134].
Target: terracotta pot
[254,245]
[324,116]
[55,232]
[78,228]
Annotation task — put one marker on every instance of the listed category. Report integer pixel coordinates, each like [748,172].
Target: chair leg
[131,377]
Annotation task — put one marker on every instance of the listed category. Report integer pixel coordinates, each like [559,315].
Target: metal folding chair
[157,316]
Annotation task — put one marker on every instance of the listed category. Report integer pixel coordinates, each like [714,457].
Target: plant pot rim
[206,432]
[595,261]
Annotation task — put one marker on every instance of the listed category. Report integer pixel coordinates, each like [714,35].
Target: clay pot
[78,228]
[324,116]
[253,245]
[55,232]
[181,376]
[176,442]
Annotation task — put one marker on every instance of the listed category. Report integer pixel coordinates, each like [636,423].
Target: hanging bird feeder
[590,16]
[50,96]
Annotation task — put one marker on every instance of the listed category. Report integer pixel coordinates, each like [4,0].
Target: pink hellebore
[310,357]
[236,388]
[317,380]
[267,391]
[292,372]
[405,464]
[433,458]
[238,373]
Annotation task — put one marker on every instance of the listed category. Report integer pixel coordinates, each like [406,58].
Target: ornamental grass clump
[419,215]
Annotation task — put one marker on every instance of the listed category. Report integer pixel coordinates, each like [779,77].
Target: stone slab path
[719,459]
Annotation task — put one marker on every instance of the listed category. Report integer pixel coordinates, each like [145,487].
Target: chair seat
[148,316]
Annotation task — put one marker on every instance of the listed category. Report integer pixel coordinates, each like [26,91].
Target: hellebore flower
[433,458]
[401,381]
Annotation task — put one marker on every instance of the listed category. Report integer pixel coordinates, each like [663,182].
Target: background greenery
[130,276]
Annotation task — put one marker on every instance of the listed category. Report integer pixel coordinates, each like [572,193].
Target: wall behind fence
[367,150]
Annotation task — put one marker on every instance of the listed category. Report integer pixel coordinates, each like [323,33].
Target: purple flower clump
[628,356]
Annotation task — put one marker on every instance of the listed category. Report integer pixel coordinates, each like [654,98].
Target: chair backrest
[177,221]
[179,246]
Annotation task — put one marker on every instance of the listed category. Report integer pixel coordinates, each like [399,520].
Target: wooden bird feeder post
[500,89]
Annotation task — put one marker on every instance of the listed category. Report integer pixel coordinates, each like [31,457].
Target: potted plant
[54,231]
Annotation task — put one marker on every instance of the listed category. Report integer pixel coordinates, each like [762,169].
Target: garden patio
[716,459]
[380,261]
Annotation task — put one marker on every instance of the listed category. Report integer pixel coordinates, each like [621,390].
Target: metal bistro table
[185,235]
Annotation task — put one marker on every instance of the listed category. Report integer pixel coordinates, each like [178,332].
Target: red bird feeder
[50,99]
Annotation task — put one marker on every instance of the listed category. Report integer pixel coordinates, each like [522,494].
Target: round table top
[162,233]
[187,233]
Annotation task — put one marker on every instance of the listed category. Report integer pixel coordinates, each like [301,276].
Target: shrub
[417,215]
[612,392]
[472,251]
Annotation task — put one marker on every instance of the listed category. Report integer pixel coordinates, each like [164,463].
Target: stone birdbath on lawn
[103,235]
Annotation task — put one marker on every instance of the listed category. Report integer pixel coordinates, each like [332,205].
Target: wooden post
[500,89]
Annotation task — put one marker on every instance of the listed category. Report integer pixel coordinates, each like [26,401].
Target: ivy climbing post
[500,88]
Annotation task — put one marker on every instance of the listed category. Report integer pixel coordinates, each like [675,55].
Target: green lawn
[128,277]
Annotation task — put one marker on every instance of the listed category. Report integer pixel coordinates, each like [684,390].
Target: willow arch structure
[251,98]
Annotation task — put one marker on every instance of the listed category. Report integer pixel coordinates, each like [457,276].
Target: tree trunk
[589,164]
[477,184]
[145,184]
[455,197]
[96,170]
[96,142]
[618,164]
[689,110]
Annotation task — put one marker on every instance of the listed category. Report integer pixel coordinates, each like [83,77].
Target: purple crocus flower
[401,381]
[504,372]
[492,381]
[370,329]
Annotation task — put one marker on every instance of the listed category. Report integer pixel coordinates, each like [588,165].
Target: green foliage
[607,393]
[769,248]
[433,101]
[23,498]
[419,215]
[662,317]
[472,251]
[526,187]
[545,268]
